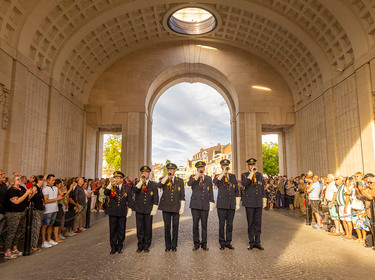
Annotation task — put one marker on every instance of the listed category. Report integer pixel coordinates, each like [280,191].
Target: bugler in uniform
[145,205]
[202,201]
[253,202]
[118,211]
[172,203]
[228,201]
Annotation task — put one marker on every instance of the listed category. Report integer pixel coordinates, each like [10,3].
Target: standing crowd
[59,205]
[343,202]
[54,204]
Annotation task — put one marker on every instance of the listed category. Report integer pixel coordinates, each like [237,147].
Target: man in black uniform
[172,203]
[145,205]
[118,210]
[228,201]
[202,201]
[253,183]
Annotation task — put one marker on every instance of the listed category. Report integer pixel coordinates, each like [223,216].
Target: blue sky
[188,117]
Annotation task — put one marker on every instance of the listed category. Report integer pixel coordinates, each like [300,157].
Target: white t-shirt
[331,189]
[316,191]
[52,193]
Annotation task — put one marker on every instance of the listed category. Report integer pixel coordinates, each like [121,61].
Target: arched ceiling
[305,40]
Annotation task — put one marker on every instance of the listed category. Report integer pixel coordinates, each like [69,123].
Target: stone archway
[192,73]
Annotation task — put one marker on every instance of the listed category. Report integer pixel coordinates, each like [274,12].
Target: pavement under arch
[292,251]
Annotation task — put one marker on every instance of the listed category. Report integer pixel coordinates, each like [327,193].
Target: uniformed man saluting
[228,201]
[172,203]
[145,205]
[202,201]
[118,210]
[253,202]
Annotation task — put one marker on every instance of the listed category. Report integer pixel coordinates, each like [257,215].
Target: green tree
[165,171]
[112,151]
[270,159]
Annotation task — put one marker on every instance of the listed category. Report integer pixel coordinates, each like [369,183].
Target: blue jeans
[280,199]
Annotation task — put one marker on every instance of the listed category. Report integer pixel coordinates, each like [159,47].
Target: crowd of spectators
[58,209]
[59,206]
[343,202]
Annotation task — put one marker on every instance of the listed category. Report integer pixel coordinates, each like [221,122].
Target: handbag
[264,202]
[357,204]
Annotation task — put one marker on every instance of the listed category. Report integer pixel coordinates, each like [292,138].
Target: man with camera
[172,203]
[145,205]
[202,201]
[118,211]
[253,183]
[228,201]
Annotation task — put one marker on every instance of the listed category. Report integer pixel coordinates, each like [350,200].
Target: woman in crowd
[94,195]
[16,204]
[38,210]
[290,192]
[102,197]
[61,213]
[271,190]
[70,214]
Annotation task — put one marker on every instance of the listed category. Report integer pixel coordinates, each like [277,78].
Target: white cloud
[188,117]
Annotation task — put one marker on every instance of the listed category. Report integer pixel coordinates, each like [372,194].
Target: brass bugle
[254,169]
[201,171]
[169,174]
[143,177]
[227,168]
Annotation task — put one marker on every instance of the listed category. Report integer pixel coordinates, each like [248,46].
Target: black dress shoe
[259,247]
[120,251]
[230,247]
[250,247]
[139,250]
[196,247]
[222,247]
[204,247]
[113,251]
[174,249]
[146,250]
[167,249]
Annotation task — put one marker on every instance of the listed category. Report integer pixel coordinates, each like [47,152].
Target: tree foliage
[165,171]
[112,151]
[270,159]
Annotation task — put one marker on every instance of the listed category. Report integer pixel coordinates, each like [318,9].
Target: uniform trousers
[254,224]
[144,230]
[226,217]
[171,218]
[201,215]
[117,226]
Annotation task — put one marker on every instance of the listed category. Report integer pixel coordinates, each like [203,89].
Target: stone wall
[41,128]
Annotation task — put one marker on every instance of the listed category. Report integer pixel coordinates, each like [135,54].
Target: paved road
[292,251]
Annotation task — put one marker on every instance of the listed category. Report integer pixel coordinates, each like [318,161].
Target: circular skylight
[192,21]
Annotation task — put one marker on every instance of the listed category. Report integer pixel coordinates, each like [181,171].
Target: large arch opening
[191,122]
[189,75]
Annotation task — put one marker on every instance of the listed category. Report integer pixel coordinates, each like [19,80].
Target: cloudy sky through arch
[188,117]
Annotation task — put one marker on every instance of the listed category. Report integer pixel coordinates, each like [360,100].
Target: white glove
[130,211]
[182,207]
[139,185]
[165,179]
[196,177]
[154,209]
[238,201]
[250,177]
[109,186]
[212,206]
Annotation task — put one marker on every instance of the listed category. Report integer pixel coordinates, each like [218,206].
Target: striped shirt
[341,195]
